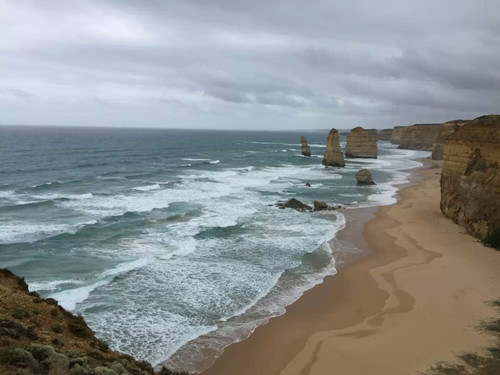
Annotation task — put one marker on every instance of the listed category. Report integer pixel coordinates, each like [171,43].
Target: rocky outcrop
[320,206]
[373,133]
[385,135]
[397,131]
[295,204]
[304,147]
[364,177]
[419,136]
[38,337]
[470,179]
[360,144]
[333,155]
[445,131]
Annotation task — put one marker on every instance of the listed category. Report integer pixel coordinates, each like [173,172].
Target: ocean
[167,241]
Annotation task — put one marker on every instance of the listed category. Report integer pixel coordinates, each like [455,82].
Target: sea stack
[470,179]
[333,154]
[385,135]
[445,132]
[396,134]
[306,150]
[361,144]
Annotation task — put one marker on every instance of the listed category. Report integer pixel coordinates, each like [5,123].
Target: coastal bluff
[444,133]
[385,134]
[396,134]
[333,155]
[39,337]
[304,147]
[360,144]
[419,136]
[470,180]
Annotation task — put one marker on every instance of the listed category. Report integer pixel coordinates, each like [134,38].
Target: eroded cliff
[304,147]
[470,180]
[419,136]
[396,134]
[385,134]
[445,131]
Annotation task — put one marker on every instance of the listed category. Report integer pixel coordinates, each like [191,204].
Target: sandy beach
[416,299]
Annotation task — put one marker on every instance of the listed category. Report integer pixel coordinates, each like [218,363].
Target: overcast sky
[248,64]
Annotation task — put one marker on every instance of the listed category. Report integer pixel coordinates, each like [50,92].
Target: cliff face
[361,144]
[333,154]
[306,150]
[470,180]
[446,130]
[38,337]
[396,134]
[372,132]
[419,136]
[385,135]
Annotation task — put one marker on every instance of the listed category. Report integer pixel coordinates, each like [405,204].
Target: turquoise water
[160,236]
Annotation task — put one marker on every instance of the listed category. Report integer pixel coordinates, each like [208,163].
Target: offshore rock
[306,150]
[295,204]
[360,144]
[419,136]
[396,134]
[364,177]
[320,206]
[385,135]
[373,133]
[333,155]
[470,179]
[446,131]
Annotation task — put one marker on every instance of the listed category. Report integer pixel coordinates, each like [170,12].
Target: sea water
[167,241]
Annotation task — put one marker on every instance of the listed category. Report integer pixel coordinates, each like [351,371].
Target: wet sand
[414,300]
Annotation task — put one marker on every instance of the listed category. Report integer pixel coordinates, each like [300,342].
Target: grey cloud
[201,63]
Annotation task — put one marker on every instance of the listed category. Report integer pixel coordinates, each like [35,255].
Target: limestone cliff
[304,147]
[396,134]
[385,135]
[360,144]
[38,337]
[333,155]
[470,180]
[373,133]
[445,131]
[419,136]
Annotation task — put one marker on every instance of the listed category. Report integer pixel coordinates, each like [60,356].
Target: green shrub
[18,357]
[53,311]
[20,313]
[103,346]
[57,328]
[78,327]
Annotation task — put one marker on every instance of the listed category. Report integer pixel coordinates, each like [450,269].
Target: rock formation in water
[396,134]
[373,133]
[306,150]
[333,154]
[445,131]
[470,179]
[419,136]
[384,135]
[38,337]
[320,206]
[295,204]
[364,177]
[360,144]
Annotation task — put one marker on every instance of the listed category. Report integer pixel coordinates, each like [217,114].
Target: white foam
[214,162]
[147,187]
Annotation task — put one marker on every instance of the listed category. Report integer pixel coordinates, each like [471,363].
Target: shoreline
[341,319]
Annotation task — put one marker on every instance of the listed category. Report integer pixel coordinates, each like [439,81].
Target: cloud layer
[248,64]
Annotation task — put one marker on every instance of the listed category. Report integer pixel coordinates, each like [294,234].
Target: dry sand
[415,300]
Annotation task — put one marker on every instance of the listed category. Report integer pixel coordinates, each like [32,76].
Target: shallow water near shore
[166,240]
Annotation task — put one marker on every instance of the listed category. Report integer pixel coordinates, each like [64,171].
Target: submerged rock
[364,177]
[306,150]
[361,144]
[470,179]
[333,155]
[295,204]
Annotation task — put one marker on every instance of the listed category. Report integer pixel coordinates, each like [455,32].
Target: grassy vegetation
[473,363]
